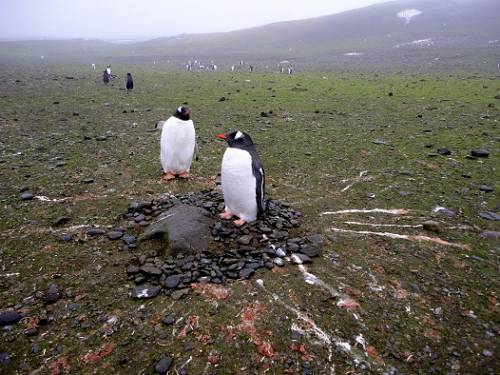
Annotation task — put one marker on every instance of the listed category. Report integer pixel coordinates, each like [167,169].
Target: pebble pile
[239,251]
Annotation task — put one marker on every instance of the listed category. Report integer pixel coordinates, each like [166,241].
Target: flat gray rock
[184,228]
[142,292]
[488,215]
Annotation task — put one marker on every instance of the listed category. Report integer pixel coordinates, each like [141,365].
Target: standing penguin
[130,82]
[242,178]
[178,144]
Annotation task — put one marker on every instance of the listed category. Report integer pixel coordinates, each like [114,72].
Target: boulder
[185,229]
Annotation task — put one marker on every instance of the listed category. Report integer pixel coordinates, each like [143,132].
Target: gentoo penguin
[242,179]
[178,144]
[130,82]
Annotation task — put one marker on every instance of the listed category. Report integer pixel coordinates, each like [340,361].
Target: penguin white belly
[177,145]
[239,184]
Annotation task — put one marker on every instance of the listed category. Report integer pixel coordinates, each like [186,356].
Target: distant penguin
[105,77]
[178,144]
[130,82]
[242,179]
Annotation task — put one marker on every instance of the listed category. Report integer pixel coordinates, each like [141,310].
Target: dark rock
[101,138]
[168,320]
[245,240]
[4,359]
[488,215]
[96,232]
[76,113]
[115,234]
[486,188]
[245,273]
[31,332]
[279,262]
[65,237]
[186,229]
[298,258]
[480,153]
[150,270]
[443,151]
[172,281]
[310,251]
[8,317]
[163,365]
[443,211]
[26,196]
[178,294]
[132,270]
[61,221]
[52,295]
[432,226]
[222,99]
[491,235]
[129,239]
[143,292]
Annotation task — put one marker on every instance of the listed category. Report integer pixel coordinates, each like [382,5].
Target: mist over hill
[418,32]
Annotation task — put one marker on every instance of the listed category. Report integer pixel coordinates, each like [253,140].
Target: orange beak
[221,136]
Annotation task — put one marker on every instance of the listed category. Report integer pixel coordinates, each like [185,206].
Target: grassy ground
[421,307]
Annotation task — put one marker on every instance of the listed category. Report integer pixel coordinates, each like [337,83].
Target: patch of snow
[353,54]
[428,42]
[408,14]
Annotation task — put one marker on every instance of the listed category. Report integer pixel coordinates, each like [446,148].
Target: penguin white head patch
[179,109]
[239,135]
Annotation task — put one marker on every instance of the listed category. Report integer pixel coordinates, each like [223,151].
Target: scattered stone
[114,235]
[491,234]
[443,211]
[163,365]
[480,153]
[143,292]
[26,196]
[432,226]
[76,113]
[89,180]
[168,320]
[245,240]
[101,138]
[61,221]
[65,237]
[245,273]
[172,281]
[4,359]
[486,188]
[129,239]
[488,215]
[52,295]
[96,232]
[279,262]
[222,99]
[150,270]
[281,253]
[132,270]
[298,258]
[178,294]
[310,251]
[9,317]
[443,151]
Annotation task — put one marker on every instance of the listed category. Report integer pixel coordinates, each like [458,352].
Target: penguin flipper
[260,186]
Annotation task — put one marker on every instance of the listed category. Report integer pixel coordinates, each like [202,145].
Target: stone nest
[235,252]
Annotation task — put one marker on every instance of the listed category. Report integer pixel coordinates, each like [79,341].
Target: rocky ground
[379,252]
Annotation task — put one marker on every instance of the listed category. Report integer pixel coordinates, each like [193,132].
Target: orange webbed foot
[168,176]
[226,215]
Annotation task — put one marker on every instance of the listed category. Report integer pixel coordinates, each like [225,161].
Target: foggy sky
[122,19]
